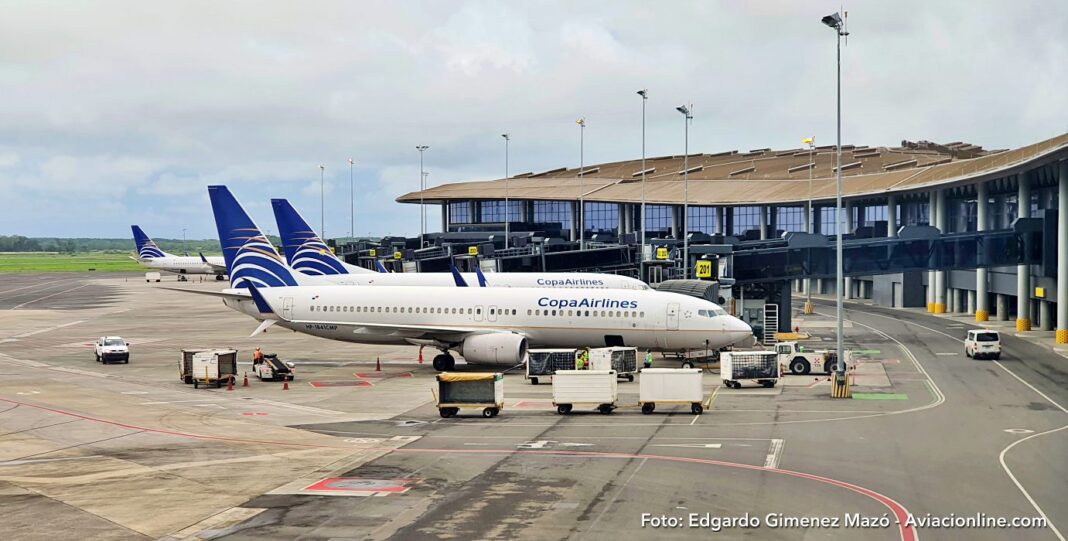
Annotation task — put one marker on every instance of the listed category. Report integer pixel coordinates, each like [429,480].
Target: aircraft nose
[738,329]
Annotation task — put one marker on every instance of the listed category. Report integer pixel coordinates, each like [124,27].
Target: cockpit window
[716,311]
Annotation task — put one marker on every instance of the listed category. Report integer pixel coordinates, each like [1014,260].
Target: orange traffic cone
[245,384]
[420,354]
[230,384]
[285,385]
[378,364]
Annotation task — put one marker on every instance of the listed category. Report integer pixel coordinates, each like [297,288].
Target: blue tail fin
[146,248]
[380,267]
[248,253]
[305,250]
[481,277]
[457,277]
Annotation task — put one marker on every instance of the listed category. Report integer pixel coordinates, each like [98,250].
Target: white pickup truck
[112,348]
[801,360]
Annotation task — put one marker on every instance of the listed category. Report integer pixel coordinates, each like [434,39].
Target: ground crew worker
[257,357]
[648,359]
[580,362]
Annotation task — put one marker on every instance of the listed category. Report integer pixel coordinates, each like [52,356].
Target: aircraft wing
[219,294]
[214,267]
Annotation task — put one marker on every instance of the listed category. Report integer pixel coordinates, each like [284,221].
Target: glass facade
[554,212]
[917,213]
[460,213]
[828,221]
[494,211]
[657,218]
[746,218]
[703,219]
[602,217]
[790,218]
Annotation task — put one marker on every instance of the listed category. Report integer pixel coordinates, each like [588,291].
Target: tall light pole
[835,22]
[582,183]
[322,201]
[352,202]
[809,220]
[685,110]
[422,188]
[644,93]
[507,138]
[183,237]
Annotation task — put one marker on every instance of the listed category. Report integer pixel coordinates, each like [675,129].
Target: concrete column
[444,219]
[675,212]
[951,300]
[848,294]
[721,221]
[982,300]
[728,221]
[1062,255]
[932,220]
[1023,272]
[940,276]
[1045,322]
[621,219]
[891,216]
[971,302]
[763,222]
[1003,307]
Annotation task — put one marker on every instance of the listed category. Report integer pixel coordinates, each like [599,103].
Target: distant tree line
[19,243]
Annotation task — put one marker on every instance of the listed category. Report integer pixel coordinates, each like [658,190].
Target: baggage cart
[749,366]
[670,386]
[596,388]
[621,359]
[484,390]
[542,363]
[152,277]
[207,366]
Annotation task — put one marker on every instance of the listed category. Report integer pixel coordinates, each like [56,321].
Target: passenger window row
[587,313]
[412,310]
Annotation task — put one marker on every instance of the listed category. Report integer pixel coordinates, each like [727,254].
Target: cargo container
[207,366]
[542,363]
[483,390]
[670,386]
[749,366]
[597,388]
[621,359]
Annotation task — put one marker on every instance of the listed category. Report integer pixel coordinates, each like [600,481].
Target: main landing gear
[444,362]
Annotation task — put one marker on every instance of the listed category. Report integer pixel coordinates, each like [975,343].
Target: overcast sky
[114,113]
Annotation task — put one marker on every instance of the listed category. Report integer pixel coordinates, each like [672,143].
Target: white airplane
[486,326]
[151,256]
[306,252]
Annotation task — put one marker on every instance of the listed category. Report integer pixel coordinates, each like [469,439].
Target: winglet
[481,277]
[460,282]
[261,302]
[204,259]
[380,267]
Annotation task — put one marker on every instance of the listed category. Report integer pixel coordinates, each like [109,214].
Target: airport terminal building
[986,220]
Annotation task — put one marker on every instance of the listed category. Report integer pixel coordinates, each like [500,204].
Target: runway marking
[690,445]
[27,334]
[774,454]
[1019,431]
[907,533]
[1001,457]
[17,306]
[947,354]
[41,460]
[31,285]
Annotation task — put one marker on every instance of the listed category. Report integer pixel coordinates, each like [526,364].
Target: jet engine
[500,349]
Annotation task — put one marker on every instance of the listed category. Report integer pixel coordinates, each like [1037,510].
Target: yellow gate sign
[397,255]
[661,253]
[372,252]
[472,250]
[704,268]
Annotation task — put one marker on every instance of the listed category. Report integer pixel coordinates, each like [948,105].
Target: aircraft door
[492,315]
[673,316]
[287,308]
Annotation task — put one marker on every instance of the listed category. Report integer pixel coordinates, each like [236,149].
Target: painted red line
[907,533]
[173,432]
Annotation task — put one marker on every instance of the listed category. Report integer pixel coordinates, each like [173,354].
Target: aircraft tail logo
[248,253]
[146,247]
[304,249]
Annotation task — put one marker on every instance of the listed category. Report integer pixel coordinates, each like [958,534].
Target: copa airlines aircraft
[149,255]
[306,252]
[484,325]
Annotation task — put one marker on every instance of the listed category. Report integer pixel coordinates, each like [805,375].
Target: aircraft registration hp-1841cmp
[306,252]
[489,326]
[151,256]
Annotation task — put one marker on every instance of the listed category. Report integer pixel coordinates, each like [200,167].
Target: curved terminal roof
[762,176]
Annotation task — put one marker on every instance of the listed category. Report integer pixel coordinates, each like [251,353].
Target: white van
[983,343]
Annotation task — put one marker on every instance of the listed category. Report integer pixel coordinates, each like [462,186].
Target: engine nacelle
[501,349]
